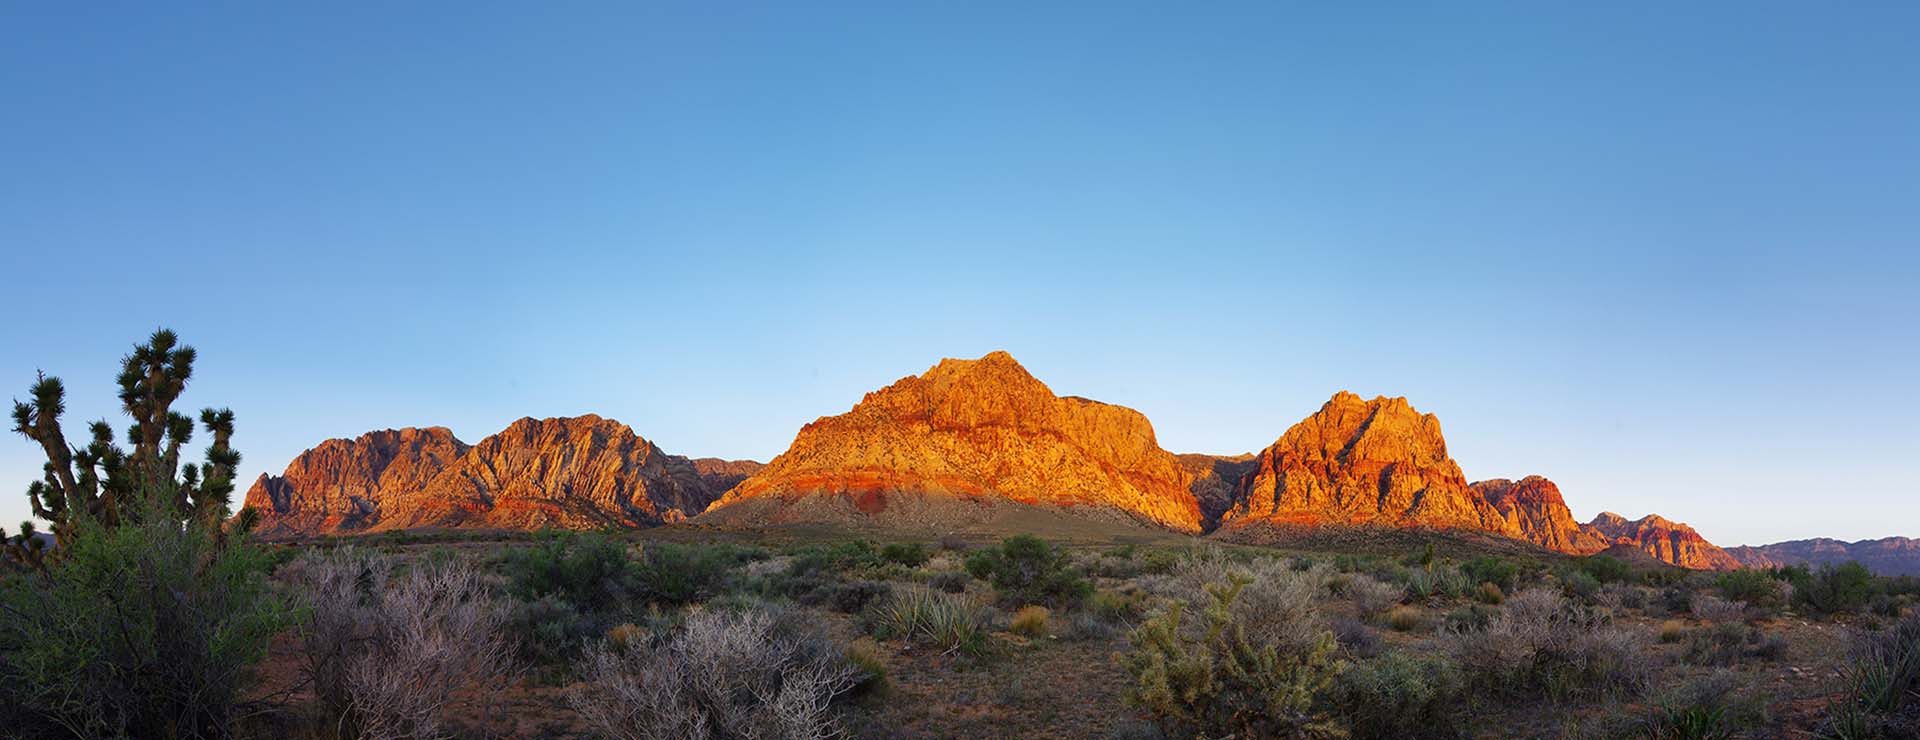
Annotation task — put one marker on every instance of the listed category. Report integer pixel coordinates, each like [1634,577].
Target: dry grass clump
[1030,621]
[1405,619]
[387,648]
[1489,593]
[723,674]
[1539,644]
[1672,631]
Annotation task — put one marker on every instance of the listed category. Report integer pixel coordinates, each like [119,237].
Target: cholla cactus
[99,483]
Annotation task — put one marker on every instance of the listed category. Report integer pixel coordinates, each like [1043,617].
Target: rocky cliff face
[342,484]
[1534,507]
[1889,556]
[578,472]
[1664,540]
[974,431]
[1360,462]
[1215,478]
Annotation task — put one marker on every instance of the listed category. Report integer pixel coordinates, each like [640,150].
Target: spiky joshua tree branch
[99,484]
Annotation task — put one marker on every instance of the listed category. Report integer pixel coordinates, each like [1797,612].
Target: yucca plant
[950,621]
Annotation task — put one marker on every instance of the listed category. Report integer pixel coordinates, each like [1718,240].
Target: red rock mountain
[342,484]
[578,472]
[968,433]
[1667,541]
[1359,462]
[1533,506]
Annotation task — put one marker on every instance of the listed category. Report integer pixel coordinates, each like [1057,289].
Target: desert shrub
[590,572]
[1751,586]
[1835,589]
[1882,605]
[1109,566]
[1579,584]
[142,630]
[948,621]
[1717,610]
[550,631]
[1372,597]
[1710,707]
[1156,560]
[1622,596]
[910,554]
[866,658]
[1402,696]
[1882,685]
[1279,604]
[1030,621]
[1539,645]
[1492,569]
[1606,568]
[1488,593]
[673,574]
[851,598]
[1470,618]
[1209,678]
[723,674]
[950,581]
[1675,600]
[1028,570]
[954,543]
[1673,630]
[389,648]
[1723,643]
[1355,637]
[1115,606]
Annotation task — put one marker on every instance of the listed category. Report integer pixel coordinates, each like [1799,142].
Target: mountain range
[967,442]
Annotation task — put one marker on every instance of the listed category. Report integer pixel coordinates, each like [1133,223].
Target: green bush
[1210,680]
[674,574]
[1836,589]
[142,630]
[1606,568]
[1492,569]
[1752,586]
[910,554]
[1403,696]
[591,573]
[1027,570]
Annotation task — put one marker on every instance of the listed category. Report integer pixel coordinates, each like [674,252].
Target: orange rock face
[1664,540]
[579,472]
[1533,506]
[342,484]
[982,429]
[1359,462]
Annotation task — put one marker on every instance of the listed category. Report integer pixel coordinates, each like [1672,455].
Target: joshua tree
[102,484]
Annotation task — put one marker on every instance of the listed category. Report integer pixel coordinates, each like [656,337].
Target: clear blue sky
[1662,253]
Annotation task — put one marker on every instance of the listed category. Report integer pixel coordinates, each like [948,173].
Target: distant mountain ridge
[967,441]
[1892,556]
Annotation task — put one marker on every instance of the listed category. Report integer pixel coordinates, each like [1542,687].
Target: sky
[1664,254]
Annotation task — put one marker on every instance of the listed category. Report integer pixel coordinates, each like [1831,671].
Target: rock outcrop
[1534,508]
[971,433]
[577,472]
[1667,541]
[1887,556]
[342,485]
[1360,462]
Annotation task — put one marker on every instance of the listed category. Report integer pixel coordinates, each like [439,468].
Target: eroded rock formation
[980,429]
